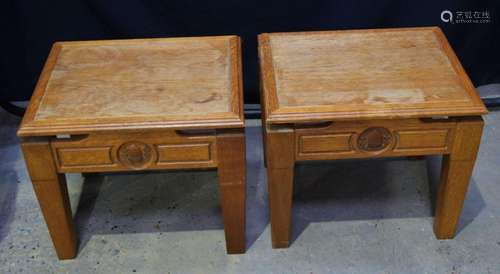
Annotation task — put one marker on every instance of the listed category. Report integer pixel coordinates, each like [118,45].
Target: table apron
[107,152]
[377,138]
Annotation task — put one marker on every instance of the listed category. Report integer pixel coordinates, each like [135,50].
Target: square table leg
[232,183]
[52,194]
[456,173]
[280,154]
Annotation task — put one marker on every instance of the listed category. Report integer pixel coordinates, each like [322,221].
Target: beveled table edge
[274,114]
[306,117]
[232,119]
[27,131]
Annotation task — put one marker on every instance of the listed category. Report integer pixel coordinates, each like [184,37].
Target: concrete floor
[363,216]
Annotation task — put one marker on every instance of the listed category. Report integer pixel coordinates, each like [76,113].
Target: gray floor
[349,217]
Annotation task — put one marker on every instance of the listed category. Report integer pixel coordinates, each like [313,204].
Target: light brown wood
[88,156]
[329,143]
[364,94]
[51,191]
[280,151]
[232,184]
[168,149]
[363,74]
[455,177]
[423,139]
[144,104]
[341,140]
[184,153]
[135,84]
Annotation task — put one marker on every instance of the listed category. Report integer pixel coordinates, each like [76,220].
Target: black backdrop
[32,26]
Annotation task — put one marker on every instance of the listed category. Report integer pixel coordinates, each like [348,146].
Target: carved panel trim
[335,142]
[136,155]
[175,153]
[378,138]
[84,156]
[374,139]
[413,140]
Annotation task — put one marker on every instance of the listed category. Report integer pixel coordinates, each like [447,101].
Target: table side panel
[135,151]
[377,138]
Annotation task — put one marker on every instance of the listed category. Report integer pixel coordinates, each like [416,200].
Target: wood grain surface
[93,86]
[129,105]
[363,74]
[365,94]
[405,137]
[157,150]
[455,176]
[52,194]
[280,158]
[231,171]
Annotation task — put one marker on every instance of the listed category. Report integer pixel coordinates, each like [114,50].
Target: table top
[179,83]
[363,74]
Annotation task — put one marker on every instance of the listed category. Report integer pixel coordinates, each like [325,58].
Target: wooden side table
[145,104]
[362,94]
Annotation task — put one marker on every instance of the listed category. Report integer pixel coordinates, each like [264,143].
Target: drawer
[374,139]
[134,151]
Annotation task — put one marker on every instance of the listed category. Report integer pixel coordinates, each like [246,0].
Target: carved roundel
[374,139]
[135,155]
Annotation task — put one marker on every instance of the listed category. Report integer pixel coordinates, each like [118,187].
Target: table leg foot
[280,184]
[451,195]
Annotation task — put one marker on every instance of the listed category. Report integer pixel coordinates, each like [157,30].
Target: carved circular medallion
[374,139]
[135,155]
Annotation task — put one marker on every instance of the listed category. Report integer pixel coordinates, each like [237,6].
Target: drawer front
[374,139]
[121,152]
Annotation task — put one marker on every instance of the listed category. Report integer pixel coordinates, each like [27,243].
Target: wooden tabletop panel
[142,83]
[363,74]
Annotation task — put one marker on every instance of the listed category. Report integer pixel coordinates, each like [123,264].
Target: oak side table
[362,94]
[145,104]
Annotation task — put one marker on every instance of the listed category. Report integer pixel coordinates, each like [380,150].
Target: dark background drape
[31,26]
